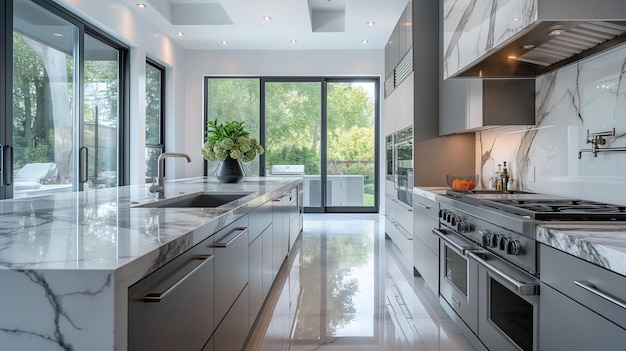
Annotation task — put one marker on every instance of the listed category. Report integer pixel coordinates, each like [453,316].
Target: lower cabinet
[232,332]
[172,308]
[582,306]
[425,244]
[255,279]
[231,266]
[398,225]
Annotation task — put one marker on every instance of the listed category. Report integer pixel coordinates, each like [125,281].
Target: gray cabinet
[255,278]
[231,266]
[425,244]
[472,104]
[399,225]
[582,305]
[172,308]
[232,332]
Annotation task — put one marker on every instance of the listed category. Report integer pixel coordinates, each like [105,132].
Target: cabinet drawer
[404,217]
[260,219]
[423,231]
[566,325]
[402,239]
[231,334]
[426,206]
[172,308]
[569,274]
[427,264]
[231,265]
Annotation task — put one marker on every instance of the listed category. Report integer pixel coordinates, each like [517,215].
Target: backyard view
[294,131]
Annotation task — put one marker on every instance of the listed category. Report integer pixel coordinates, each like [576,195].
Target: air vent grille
[405,67]
[572,42]
[389,84]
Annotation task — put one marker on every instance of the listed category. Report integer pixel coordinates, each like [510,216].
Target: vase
[229,171]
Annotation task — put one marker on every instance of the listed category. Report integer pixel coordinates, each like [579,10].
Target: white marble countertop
[101,230]
[430,192]
[600,243]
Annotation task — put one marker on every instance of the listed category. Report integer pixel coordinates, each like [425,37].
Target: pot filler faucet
[159,186]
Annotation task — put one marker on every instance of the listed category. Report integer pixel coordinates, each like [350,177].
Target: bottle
[497,179]
[505,176]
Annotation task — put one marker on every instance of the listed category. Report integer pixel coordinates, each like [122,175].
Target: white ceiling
[314,24]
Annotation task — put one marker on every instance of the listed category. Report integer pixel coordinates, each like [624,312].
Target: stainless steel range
[489,271]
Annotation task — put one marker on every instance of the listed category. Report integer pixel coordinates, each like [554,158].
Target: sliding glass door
[323,129]
[66,105]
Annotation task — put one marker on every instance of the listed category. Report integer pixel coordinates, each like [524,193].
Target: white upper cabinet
[472,28]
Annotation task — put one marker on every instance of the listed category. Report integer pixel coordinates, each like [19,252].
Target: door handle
[8,166]
[84,165]
[230,237]
[523,288]
[158,297]
[591,287]
[459,249]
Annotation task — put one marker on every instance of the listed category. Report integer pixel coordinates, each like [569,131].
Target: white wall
[117,19]
[265,63]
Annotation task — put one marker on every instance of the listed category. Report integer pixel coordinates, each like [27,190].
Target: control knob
[463,227]
[513,247]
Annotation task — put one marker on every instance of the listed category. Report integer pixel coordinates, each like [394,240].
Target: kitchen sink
[196,200]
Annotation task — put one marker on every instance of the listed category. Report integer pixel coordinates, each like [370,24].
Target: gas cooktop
[560,209]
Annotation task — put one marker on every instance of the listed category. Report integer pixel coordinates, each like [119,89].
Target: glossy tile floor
[344,287]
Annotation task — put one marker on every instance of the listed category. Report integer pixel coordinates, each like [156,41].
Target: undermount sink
[197,200]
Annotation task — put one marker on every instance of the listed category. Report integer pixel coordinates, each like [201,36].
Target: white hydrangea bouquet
[229,139]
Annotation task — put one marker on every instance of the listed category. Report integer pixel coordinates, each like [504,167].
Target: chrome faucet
[159,186]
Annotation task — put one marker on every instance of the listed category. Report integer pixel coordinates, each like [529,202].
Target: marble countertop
[430,192]
[101,230]
[600,243]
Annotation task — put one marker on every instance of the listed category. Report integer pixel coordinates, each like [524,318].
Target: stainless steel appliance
[389,157]
[404,165]
[491,235]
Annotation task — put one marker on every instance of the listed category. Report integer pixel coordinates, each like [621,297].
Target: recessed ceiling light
[293,41]
[180,34]
[57,34]
[370,23]
[528,47]
[224,42]
[364,41]
[556,32]
[141,5]
[515,19]
[511,57]
[267,18]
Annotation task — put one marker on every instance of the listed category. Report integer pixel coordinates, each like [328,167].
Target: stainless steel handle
[9,168]
[231,237]
[459,249]
[522,288]
[591,287]
[422,205]
[84,165]
[158,297]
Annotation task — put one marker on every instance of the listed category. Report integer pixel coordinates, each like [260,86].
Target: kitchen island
[67,260]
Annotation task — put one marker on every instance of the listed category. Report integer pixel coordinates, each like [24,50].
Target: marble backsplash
[589,95]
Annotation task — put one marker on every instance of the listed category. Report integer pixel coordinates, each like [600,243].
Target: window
[155,97]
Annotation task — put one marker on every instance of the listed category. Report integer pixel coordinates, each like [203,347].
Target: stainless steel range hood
[565,31]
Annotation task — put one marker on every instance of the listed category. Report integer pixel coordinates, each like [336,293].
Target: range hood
[565,31]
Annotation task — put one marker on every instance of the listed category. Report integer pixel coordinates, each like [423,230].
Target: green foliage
[292,155]
[366,170]
[229,139]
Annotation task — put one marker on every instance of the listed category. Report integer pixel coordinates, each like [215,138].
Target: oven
[389,157]
[487,275]
[508,317]
[457,276]
[403,149]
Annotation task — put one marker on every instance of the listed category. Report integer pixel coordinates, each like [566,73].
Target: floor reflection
[346,288]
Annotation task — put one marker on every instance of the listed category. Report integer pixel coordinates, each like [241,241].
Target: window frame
[161,144]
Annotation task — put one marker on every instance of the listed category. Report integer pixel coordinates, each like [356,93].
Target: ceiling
[313,24]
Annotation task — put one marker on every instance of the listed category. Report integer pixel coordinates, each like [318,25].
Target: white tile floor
[345,287]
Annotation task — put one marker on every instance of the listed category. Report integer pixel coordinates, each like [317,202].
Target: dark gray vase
[229,171]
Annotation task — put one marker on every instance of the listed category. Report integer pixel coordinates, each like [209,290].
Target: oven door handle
[456,247]
[523,288]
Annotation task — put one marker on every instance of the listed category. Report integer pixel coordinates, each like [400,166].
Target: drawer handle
[591,287]
[231,237]
[158,297]
[459,249]
[523,288]
[422,206]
